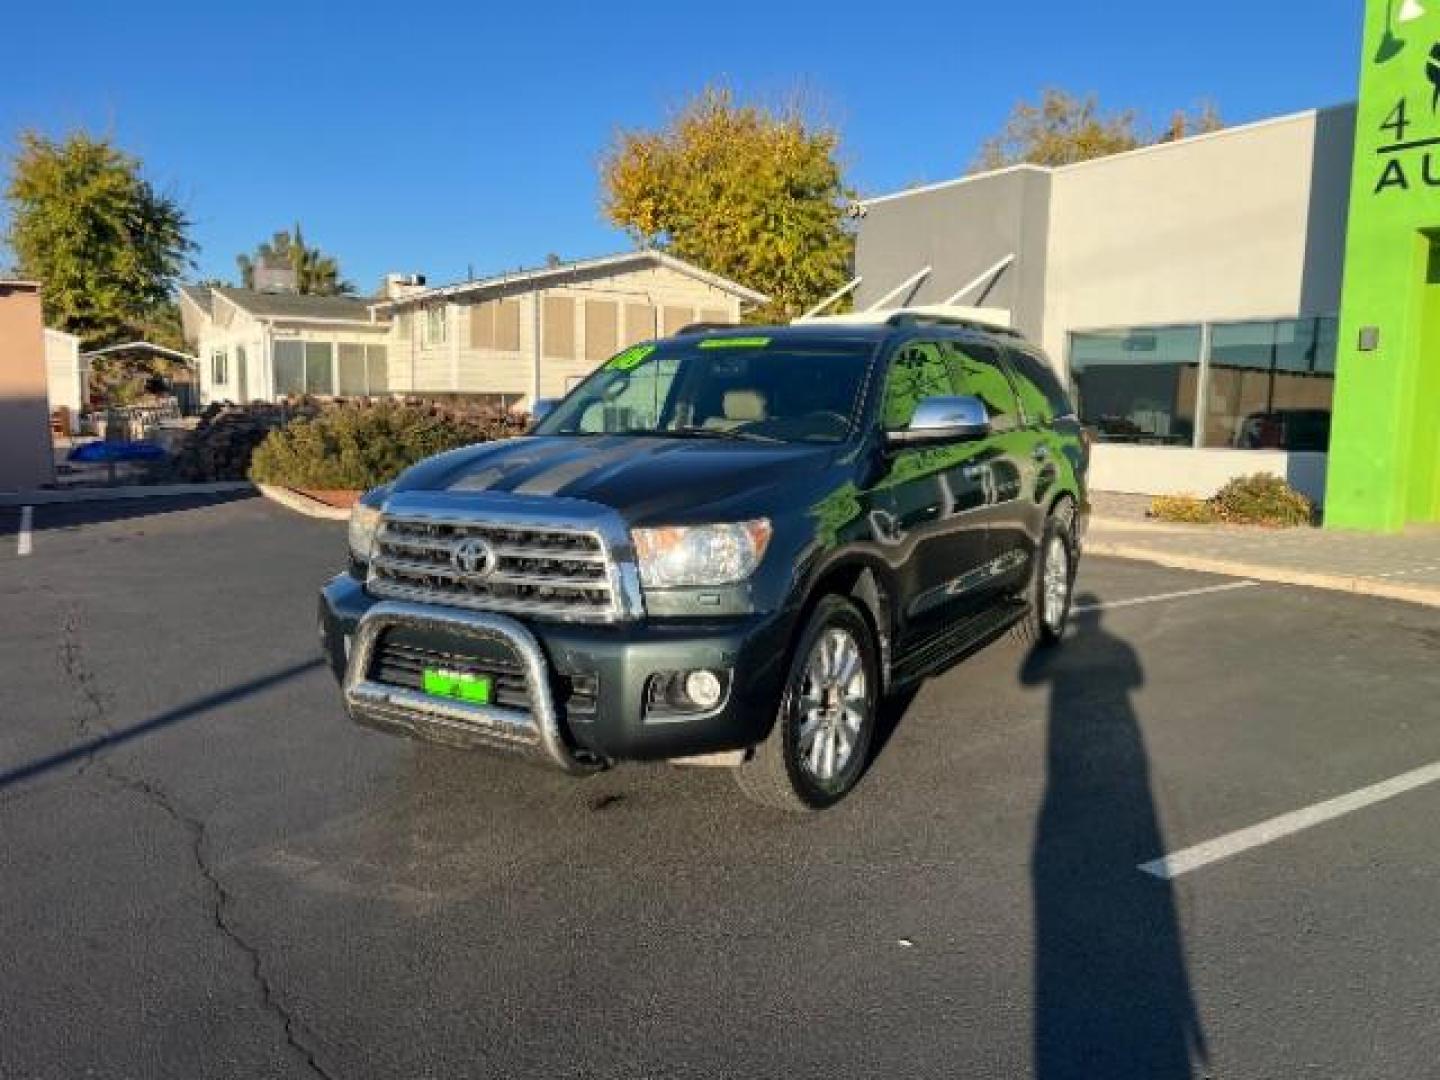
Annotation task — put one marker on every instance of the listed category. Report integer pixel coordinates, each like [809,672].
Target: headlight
[685,556]
[364,521]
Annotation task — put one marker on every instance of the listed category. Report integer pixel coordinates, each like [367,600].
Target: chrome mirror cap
[944,419]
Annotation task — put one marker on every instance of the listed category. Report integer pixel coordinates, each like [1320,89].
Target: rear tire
[818,747]
[1052,582]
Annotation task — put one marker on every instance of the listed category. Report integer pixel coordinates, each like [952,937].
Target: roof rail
[927,318]
[988,320]
[705,327]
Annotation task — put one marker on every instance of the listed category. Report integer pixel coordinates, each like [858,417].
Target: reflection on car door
[1043,405]
[927,509]
[979,371]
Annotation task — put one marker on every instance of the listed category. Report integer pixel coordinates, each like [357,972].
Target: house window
[559,312]
[435,324]
[362,370]
[319,375]
[219,367]
[289,362]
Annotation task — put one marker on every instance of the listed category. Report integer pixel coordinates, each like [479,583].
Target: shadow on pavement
[188,711]
[50,516]
[1112,992]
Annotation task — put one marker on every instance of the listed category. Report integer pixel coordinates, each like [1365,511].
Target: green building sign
[1384,469]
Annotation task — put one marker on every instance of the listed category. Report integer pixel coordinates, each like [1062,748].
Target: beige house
[26,459]
[536,333]
[267,345]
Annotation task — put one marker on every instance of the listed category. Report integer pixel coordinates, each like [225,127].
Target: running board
[954,643]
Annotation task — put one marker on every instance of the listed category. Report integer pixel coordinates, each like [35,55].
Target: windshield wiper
[702,433]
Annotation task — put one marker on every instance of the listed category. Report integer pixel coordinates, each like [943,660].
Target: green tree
[314,273]
[108,248]
[748,192]
[1063,129]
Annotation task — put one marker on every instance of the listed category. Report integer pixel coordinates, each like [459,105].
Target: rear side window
[1041,395]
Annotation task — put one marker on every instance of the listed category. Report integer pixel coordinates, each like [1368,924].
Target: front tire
[820,742]
[1052,582]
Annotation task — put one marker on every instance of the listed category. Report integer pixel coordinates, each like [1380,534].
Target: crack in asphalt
[92,716]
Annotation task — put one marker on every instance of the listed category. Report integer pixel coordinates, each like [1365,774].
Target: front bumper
[619,658]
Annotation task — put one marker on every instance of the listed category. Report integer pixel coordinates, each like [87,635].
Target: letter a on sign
[1393,176]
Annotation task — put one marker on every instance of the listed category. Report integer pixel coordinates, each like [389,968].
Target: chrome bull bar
[400,710]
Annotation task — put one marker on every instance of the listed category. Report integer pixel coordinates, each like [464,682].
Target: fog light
[703,688]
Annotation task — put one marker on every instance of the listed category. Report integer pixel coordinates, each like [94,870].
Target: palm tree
[314,273]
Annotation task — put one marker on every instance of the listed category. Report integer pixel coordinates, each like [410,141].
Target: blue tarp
[104,452]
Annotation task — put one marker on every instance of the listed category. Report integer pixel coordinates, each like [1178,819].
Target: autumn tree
[107,247]
[1063,129]
[749,192]
[311,271]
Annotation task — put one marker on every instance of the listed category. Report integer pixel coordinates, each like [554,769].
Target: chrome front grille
[542,570]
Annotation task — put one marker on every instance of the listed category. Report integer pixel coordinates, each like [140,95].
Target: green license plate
[457,685]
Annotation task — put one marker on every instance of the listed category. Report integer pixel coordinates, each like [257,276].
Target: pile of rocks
[225,439]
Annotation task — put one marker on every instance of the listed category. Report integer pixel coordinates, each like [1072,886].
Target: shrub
[1261,499]
[222,444]
[1185,509]
[358,446]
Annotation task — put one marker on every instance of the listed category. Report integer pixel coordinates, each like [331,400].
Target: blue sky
[435,137]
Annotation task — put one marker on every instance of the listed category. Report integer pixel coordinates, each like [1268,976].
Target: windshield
[721,387]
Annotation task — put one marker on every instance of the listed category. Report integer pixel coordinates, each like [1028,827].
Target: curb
[51,497]
[303,504]
[1177,529]
[1363,586]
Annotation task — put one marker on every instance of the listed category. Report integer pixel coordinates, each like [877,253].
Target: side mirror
[939,420]
[542,408]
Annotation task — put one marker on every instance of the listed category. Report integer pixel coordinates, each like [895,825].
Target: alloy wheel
[1056,584]
[832,705]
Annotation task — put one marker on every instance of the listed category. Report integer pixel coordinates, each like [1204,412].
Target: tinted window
[1138,385]
[924,369]
[917,371]
[980,373]
[1041,395]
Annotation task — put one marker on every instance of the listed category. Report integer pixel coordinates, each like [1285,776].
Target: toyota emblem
[475,557]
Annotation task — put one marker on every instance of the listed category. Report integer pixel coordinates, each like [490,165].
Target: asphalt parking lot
[205,870]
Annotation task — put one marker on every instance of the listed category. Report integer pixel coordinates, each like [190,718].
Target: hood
[643,478]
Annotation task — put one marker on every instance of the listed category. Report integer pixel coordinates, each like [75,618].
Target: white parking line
[1106,605]
[27,520]
[1267,832]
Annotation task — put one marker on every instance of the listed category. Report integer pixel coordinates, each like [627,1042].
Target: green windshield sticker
[735,343]
[630,358]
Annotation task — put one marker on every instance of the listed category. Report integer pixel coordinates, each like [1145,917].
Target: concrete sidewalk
[1401,567]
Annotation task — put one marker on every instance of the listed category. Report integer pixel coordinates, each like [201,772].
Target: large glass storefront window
[1265,385]
[1138,386]
[1271,385]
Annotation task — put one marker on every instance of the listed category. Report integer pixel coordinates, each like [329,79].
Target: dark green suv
[725,548]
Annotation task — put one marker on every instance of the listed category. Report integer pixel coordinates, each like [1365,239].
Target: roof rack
[989,320]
